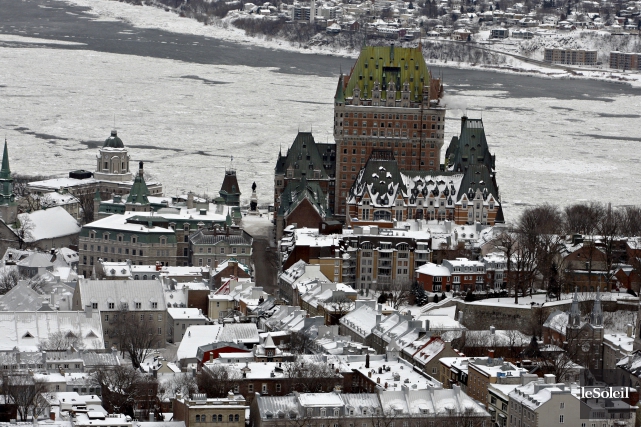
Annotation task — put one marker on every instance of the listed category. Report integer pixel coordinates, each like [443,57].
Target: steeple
[574,316]
[5,172]
[596,317]
[8,205]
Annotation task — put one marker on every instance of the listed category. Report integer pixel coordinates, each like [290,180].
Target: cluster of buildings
[377,242]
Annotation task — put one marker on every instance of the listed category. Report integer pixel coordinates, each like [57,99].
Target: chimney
[629,330]
[492,330]
[158,266]
[88,310]
[549,378]
[141,171]
[490,354]
[190,200]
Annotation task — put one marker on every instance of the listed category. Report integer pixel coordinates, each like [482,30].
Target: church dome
[113,141]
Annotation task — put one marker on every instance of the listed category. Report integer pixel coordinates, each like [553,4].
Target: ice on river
[186,120]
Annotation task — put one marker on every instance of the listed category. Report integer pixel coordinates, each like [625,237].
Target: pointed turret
[575,312]
[228,219]
[5,172]
[8,205]
[596,317]
[339,98]
[138,196]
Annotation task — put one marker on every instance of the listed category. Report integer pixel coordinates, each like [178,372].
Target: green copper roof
[303,157]
[384,64]
[139,190]
[113,141]
[340,95]
[470,148]
[5,172]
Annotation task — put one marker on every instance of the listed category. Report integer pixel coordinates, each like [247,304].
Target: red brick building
[388,100]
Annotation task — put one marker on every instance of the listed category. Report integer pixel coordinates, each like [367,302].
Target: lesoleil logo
[604,393]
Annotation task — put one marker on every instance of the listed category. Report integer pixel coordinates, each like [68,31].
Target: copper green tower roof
[385,64]
[5,172]
[139,190]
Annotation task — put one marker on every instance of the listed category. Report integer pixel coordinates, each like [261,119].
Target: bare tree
[582,218]
[23,230]
[309,377]
[337,306]
[32,202]
[61,341]
[397,293]
[217,380]
[25,391]
[9,279]
[514,244]
[300,341]
[136,333]
[85,200]
[125,389]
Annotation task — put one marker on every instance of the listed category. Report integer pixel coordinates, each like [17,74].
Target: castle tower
[388,101]
[230,190]
[138,196]
[8,205]
[112,162]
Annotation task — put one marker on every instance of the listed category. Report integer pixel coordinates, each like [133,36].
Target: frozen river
[185,103]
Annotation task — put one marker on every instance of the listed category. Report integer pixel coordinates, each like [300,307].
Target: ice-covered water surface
[186,120]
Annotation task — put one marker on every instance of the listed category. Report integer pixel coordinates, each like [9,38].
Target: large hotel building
[388,101]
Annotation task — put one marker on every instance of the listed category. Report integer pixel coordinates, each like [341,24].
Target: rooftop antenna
[114,121]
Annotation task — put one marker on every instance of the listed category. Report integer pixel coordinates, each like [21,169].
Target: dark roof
[382,177]
[303,156]
[478,177]
[298,191]
[470,148]
[113,141]
[230,184]
[207,237]
[139,191]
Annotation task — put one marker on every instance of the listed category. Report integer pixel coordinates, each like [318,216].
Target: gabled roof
[296,192]
[104,292]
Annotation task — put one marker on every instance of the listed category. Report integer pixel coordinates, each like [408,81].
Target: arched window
[197,418]
[214,418]
[144,277]
[220,418]
[236,418]
[231,418]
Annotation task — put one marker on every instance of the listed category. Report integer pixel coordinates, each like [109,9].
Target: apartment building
[570,56]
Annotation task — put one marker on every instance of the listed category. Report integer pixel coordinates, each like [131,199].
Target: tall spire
[596,317]
[574,316]
[5,172]
[139,191]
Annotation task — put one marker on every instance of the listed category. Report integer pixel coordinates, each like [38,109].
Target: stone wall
[526,319]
